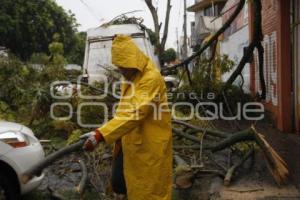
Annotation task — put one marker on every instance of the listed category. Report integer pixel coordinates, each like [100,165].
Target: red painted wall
[277,61]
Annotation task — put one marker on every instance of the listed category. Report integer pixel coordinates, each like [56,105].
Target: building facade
[235,39]
[280,24]
[206,20]
[281,42]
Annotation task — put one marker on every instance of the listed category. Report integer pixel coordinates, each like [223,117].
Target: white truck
[97,60]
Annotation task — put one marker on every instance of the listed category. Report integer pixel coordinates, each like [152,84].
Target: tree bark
[215,133]
[241,136]
[37,169]
[187,136]
[154,17]
[166,27]
[160,46]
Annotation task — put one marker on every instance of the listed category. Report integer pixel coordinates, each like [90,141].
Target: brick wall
[277,63]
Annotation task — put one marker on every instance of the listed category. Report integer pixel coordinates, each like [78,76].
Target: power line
[92,12]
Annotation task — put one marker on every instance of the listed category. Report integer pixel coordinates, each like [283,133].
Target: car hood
[9,126]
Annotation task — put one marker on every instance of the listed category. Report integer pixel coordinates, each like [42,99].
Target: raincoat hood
[126,54]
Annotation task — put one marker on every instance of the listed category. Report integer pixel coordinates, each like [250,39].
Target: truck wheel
[8,189]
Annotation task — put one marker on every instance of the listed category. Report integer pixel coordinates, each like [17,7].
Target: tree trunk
[160,46]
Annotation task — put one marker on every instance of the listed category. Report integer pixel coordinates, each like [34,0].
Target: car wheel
[2,193]
[8,189]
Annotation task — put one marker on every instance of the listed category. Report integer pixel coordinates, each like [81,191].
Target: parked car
[19,150]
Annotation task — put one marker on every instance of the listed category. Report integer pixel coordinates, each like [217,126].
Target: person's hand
[93,138]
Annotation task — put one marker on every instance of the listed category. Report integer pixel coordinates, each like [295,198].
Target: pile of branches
[210,140]
[213,141]
[124,19]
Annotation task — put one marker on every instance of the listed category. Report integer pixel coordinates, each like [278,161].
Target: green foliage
[39,58]
[75,136]
[6,112]
[21,90]
[63,125]
[207,74]
[76,54]
[25,88]
[169,55]
[206,78]
[207,69]
[123,19]
[25,95]
[27,26]
[91,114]
[56,48]
[56,53]
[13,77]
[152,36]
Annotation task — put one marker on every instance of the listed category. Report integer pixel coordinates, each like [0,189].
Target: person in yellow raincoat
[142,124]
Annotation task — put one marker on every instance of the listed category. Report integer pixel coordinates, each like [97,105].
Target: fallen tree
[275,163]
[255,43]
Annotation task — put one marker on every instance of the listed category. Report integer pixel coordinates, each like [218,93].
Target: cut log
[186,135]
[233,168]
[241,136]
[276,165]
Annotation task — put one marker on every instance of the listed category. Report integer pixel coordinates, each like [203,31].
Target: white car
[19,150]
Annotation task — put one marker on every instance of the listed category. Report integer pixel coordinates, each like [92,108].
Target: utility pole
[177,43]
[184,53]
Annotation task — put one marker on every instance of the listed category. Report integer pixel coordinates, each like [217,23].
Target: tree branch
[81,186]
[241,136]
[215,133]
[154,17]
[47,161]
[166,28]
[214,37]
[255,43]
[260,51]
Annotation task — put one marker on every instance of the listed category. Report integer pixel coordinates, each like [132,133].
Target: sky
[93,13]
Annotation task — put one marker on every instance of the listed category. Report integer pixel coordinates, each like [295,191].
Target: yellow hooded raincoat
[143,122]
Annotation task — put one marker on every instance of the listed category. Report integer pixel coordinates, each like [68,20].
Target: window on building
[213,11]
